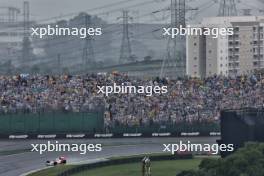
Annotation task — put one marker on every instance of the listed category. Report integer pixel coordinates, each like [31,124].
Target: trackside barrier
[161,134]
[190,134]
[111,135]
[215,134]
[51,136]
[128,160]
[204,128]
[56,125]
[132,135]
[18,136]
[75,135]
[50,124]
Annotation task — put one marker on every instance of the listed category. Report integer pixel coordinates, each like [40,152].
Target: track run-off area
[17,159]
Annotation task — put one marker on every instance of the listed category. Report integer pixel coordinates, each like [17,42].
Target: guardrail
[54,125]
[110,135]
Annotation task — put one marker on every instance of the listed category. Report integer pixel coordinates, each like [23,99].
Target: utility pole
[174,65]
[125,52]
[227,8]
[88,51]
[259,47]
[26,49]
[12,14]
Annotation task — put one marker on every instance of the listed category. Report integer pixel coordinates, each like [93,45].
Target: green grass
[140,155]
[159,168]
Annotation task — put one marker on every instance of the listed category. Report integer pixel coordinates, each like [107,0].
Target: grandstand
[188,101]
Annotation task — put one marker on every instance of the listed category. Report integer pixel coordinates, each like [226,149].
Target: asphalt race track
[21,163]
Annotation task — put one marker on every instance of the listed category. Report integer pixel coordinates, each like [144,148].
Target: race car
[60,160]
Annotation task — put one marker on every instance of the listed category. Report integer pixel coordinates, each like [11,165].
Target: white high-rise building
[236,54]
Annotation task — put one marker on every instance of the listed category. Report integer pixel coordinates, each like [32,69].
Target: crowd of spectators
[189,99]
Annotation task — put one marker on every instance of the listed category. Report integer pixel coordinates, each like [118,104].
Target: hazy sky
[41,9]
[45,9]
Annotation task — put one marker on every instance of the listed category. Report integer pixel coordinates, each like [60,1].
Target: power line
[97,14]
[251,6]
[87,10]
[62,42]
[138,4]
[227,8]
[70,50]
[79,50]
[110,26]
[205,6]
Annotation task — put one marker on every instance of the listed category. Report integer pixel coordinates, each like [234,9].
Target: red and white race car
[60,160]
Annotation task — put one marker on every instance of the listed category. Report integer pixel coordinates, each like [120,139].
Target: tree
[133,58]
[147,58]
[247,161]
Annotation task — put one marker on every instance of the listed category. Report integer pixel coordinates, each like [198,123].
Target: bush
[248,161]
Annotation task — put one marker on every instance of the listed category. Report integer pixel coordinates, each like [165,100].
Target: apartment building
[237,54]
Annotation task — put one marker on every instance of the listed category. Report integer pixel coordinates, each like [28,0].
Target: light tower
[125,52]
[88,51]
[227,8]
[174,65]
